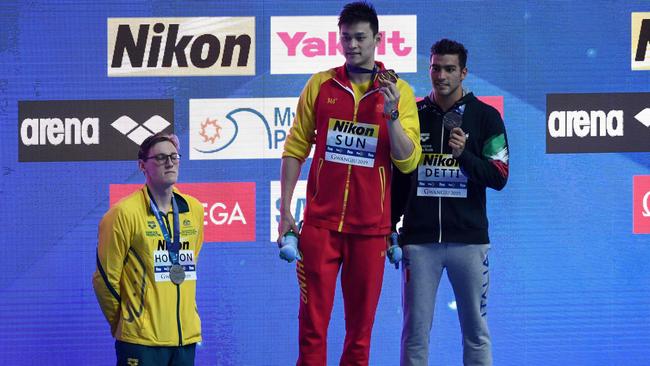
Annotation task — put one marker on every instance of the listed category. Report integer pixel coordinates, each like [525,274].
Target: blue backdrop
[569,279]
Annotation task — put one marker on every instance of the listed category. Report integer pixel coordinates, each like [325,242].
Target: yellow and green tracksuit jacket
[131,281]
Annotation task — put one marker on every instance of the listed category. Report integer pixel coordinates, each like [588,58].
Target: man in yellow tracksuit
[145,281]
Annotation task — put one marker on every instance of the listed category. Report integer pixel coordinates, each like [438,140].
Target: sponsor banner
[597,123]
[298,202]
[205,46]
[640,41]
[245,128]
[641,204]
[229,208]
[308,44]
[83,130]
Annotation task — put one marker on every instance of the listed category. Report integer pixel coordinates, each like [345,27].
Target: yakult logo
[641,204]
[304,45]
[228,208]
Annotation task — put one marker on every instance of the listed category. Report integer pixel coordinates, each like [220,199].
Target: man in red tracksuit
[364,121]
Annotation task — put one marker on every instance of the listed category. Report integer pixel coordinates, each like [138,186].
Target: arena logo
[245,128]
[585,123]
[54,131]
[228,208]
[592,123]
[205,46]
[68,130]
[138,133]
[308,44]
[641,204]
[298,202]
[640,41]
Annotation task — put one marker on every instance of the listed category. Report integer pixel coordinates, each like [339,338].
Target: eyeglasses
[162,158]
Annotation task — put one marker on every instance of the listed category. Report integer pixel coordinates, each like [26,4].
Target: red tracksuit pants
[361,258]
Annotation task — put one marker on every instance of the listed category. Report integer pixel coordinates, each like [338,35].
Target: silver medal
[452,120]
[177,274]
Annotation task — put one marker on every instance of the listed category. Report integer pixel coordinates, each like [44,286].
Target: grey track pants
[467,270]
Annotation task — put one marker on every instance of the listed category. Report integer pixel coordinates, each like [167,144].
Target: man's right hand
[287,222]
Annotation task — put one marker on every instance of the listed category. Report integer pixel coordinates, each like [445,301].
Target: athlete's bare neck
[162,196]
[359,78]
[446,101]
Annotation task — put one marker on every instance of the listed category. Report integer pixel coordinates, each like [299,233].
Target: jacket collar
[430,103]
[183,206]
[341,75]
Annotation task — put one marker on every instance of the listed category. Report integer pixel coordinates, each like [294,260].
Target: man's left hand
[391,95]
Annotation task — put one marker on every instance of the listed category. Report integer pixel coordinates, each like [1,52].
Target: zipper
[345,197]
[382,180]
[178,315]
[347,179]
[442,139]
[178,303]
[178,296]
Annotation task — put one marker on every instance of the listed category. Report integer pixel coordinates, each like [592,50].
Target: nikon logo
[603,122]
[352,128]
[439,160]
[181,46]
[640,41]
[54,131]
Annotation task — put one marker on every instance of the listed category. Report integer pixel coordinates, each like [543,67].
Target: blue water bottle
[289,247]
[394,251]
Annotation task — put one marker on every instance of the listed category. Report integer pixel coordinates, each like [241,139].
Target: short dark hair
[448,47]
[150,141]
[360,11]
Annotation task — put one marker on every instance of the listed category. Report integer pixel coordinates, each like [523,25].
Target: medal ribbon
[173,247]
[361,70]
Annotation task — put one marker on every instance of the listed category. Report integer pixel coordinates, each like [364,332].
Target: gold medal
[385,76]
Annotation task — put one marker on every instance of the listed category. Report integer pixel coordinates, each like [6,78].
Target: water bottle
[394,251]
[289,247]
